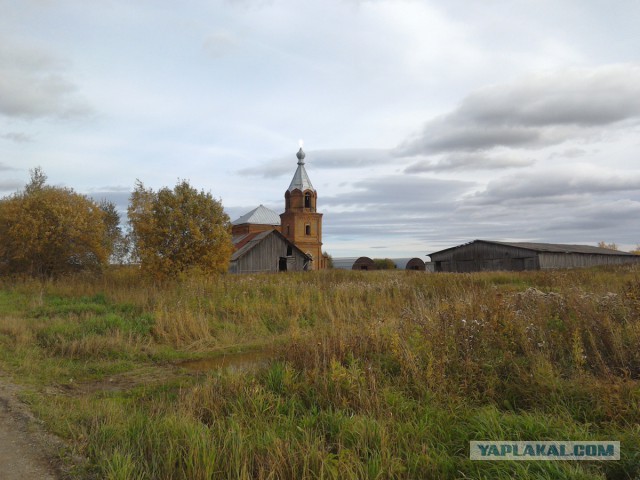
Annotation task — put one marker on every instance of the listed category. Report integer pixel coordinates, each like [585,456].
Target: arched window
[307,200]
[307,229]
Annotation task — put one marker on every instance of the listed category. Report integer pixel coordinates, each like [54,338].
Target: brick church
[266,241]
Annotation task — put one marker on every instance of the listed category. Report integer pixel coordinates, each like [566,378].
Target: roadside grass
[373,374]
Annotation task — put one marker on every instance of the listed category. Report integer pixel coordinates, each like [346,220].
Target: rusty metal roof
[547,247]
[561,248]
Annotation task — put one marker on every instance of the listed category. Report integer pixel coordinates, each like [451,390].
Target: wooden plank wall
[571,260]
[265,256]
[479,257]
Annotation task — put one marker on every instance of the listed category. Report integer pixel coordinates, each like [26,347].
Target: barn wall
[265,256]
[480,256]
[571,260]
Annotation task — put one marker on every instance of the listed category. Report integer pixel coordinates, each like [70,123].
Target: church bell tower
[300,222]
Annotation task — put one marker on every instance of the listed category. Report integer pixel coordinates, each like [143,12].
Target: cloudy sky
[426,123]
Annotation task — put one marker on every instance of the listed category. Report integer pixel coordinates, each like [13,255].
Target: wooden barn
[267,251]
[483,255]
[409,264]
[354,263]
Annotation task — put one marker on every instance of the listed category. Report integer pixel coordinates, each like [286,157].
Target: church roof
[300,179]
[260,216]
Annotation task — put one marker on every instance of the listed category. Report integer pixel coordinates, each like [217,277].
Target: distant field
[334,374]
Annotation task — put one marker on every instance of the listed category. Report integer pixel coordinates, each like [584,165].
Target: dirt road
[26,450]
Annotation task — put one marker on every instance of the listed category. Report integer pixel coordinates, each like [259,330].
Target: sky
[426,124]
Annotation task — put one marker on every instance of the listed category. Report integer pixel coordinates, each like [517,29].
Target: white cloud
[464,161]
[535,111]
[35,84]
[18,137]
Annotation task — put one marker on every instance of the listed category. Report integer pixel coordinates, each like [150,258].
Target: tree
[610,246]
[636,251]
[48,231]
[115,240]
[328,259]
[384,264]
[179,230]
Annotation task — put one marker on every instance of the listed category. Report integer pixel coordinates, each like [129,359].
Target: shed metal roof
[260,216]
[344,263]
[401,263]
[548,247]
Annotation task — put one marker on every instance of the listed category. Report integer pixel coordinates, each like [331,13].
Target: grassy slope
[374,375]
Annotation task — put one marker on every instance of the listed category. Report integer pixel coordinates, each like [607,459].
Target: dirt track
[26,451]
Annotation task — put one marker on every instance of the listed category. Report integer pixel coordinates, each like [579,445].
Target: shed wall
[480,256]
[265,257]
[571,260]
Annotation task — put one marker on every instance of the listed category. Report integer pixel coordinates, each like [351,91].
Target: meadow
[345,375]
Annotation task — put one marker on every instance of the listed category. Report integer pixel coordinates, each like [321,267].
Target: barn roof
[547,247]
[245,243]
[260,215]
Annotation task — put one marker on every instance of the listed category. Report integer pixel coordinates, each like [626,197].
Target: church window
[288,232]
[307,229]
[307,200]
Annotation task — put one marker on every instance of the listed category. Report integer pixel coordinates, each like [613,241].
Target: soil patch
[27,451]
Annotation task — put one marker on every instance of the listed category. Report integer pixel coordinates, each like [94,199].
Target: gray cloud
[220,43]
[535,111]
[35,84]
[324,159]
[551,186]
[469,161]
[411,193]
[17,137]
[10,185]
[4,168]
[551,206]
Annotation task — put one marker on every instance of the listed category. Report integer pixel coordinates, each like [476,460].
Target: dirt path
[26,451]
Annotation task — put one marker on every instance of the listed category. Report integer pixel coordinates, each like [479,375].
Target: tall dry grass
[375,374]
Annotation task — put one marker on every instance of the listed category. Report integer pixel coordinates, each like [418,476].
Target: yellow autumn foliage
[179,230]
[48,231]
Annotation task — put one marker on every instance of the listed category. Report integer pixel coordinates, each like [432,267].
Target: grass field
[329,374]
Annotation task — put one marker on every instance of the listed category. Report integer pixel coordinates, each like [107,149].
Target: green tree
[115,239]
[179,230]
[48,231]
[384,263]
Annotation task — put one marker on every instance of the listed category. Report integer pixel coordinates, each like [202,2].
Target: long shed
[354,263]
[409,264]
[481,255]
[267,251]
